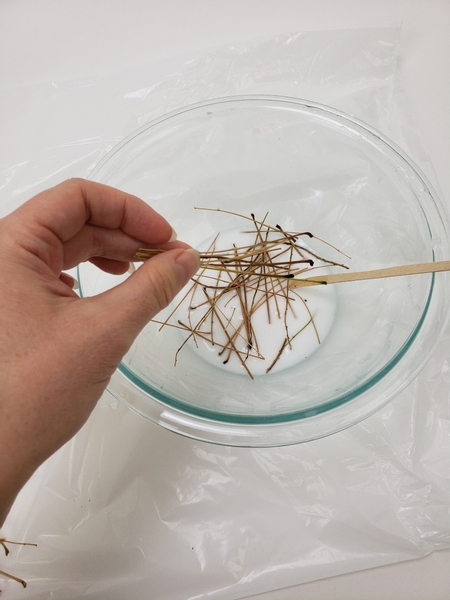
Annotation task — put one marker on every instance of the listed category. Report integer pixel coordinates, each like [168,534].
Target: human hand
[57,351]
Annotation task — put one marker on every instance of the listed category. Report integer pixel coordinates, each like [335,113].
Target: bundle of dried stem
[255,276]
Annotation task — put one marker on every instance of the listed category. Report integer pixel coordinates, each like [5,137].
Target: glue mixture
[305,323]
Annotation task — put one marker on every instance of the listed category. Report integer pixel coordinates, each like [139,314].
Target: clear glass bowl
[311,168]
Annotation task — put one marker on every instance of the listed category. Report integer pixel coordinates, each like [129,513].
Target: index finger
[67,207]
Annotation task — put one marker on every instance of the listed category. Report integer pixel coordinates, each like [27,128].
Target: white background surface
[45,40]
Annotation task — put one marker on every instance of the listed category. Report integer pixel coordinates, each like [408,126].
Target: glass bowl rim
[294,426]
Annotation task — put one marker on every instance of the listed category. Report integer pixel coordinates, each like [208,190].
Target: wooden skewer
[415,269]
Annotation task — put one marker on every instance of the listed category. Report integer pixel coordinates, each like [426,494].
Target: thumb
[127,308]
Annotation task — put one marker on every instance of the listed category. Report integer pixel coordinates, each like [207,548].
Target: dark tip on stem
[289,275]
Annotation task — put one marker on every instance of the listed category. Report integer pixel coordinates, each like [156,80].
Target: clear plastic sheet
[127,509]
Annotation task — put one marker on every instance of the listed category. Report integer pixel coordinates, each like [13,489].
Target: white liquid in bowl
[306,322]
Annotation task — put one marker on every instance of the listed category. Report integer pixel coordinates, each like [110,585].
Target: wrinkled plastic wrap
[129,510]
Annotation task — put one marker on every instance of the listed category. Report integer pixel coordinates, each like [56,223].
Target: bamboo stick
[414,269]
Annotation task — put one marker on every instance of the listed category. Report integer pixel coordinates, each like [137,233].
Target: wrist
[14,473]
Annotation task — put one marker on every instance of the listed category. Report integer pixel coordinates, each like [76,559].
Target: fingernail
[174,235]
[131,268]
[188,263]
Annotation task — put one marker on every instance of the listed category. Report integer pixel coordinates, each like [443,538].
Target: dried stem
[3,543]
[247,278]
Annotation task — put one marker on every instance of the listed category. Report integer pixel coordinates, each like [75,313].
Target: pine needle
[254,276]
